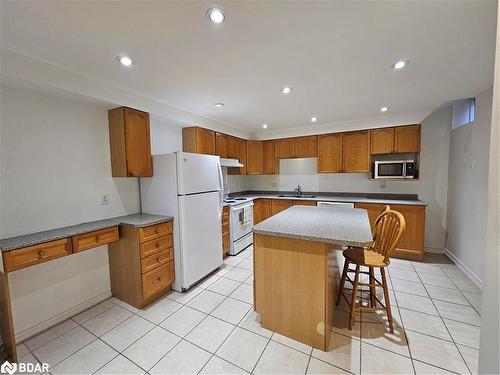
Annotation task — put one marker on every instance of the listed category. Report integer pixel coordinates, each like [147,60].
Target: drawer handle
[41,253]
[159,278]
[158,259]
[97,238]
[157,244]
[157,231]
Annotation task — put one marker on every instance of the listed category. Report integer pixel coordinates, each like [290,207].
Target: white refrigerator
[188,187]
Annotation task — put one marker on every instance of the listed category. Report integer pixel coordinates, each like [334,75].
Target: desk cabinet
[141,263]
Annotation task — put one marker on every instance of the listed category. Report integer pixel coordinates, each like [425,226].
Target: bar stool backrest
[387,231]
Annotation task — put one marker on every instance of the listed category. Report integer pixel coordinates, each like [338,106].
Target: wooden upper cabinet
[130,143]
[356,151]
[236,149]
[330,153]
[268,157]
[407,139]
[382,141]
[306,147]
[221,145]
[284,148]
[198,140]
[255,157]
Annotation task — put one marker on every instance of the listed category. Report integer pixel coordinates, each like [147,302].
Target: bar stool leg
[353,297]
[387,301]
[373,292]
[342,281]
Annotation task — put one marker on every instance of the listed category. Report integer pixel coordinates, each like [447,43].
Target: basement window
[464,113]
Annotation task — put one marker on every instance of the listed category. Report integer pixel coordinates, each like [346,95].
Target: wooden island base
[295,283]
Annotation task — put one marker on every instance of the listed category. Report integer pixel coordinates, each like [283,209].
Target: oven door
[389,169]
[241,220]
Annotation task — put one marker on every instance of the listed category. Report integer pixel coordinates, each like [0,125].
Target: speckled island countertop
[341,226]
[141,220]
[135,220]
[18,242]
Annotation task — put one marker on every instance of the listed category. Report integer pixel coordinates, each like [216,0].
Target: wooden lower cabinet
[411,244]
[262,209]
[278,205]
[225,231]
[141,263]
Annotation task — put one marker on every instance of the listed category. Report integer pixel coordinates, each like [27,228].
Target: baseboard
[471,275]
[434,250]
[42,326]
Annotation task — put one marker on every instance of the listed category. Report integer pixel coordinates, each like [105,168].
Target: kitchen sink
[296,196]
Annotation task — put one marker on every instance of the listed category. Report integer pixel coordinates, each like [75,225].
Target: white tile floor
[213,329]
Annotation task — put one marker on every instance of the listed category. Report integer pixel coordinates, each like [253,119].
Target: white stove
[240,223]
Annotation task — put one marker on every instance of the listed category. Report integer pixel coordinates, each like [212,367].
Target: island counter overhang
[296,270]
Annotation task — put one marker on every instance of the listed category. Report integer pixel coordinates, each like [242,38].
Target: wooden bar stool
[387,230]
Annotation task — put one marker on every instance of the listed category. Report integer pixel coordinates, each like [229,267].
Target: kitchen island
[296,270]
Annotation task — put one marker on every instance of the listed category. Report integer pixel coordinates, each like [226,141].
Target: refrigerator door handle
[221,191]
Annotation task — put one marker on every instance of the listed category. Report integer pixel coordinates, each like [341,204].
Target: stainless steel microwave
[395,169]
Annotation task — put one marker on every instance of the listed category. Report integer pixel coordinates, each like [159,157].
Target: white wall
[468,187]
[489,360]
[165,136]
[432,186]
[55,164]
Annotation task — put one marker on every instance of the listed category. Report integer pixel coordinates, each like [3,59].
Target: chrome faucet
[298,190]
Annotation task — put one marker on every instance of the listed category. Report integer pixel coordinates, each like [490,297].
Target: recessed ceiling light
[264,126]
[314,119]
[398,65]
[219,105]
[384,109]
[286,90]
[124,60]
[215,15]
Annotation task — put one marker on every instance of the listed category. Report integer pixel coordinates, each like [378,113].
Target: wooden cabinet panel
[382,141]
[225,231]
[268,157]
[266,209]
[306,147]
[411,244]
[279,205]
[130,143]
[304,203]
[236,149]
[198,140]
[255,157]
[330,153]
[153,261]
[257,204]
[407,139]
[225,245]
[355,151]
[154,231]
[221,145]
[94,239]
[156,245]
[284,148]
[37,254]
[157,280]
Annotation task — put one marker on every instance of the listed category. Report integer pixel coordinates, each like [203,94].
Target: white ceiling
[336,55]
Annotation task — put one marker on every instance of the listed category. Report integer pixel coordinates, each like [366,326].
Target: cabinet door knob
[158,244]
[97,238]
[159,278]
[157,231]
[158,259]
[41,253]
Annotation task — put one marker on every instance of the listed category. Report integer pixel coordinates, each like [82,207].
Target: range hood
[230,163]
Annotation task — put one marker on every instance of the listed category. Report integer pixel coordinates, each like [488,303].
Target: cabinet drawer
[29,256]
[158,279]
[151,262]
[93,239]
[154,246]
[154,231]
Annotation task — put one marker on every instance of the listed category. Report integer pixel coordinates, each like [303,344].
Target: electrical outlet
[105,199]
